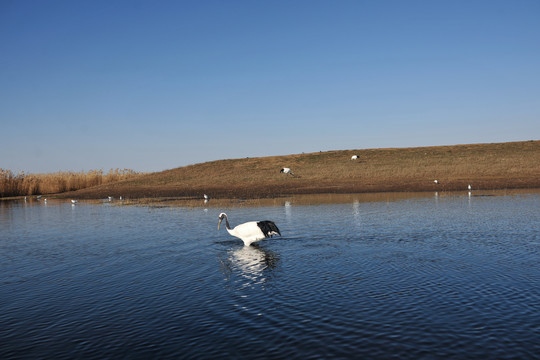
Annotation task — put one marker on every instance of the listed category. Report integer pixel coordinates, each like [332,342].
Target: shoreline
[496,166]
[287,200]
[97,196]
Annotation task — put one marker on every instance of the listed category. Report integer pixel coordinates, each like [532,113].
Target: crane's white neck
[224,216]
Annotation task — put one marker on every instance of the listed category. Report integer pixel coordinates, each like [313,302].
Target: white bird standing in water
[469,187]
[251,231]
[74,202]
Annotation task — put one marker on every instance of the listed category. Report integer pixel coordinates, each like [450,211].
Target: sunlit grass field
[483,166]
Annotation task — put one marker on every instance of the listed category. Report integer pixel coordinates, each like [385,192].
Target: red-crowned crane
[251,231]
[354,157]
[286,171]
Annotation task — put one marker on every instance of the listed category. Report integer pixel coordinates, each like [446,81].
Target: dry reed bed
[22,184]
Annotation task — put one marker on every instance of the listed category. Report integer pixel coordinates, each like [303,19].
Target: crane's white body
[251,231]
[354,157]
[248,232]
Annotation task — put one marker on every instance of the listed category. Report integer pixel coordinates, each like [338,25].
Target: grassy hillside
[484,166]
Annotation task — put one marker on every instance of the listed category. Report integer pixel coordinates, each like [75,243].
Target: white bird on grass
[251,231]
[354,157]
[286,171]
[436,181]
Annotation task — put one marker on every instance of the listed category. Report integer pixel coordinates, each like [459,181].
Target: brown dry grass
[22,184]
[484,166]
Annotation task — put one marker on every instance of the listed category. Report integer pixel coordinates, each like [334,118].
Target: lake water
[434,277]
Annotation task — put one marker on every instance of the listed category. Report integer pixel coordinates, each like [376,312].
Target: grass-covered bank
[485,166]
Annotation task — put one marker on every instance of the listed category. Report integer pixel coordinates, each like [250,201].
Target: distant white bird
[436,181]
[206,197]
[286,171]
[469,187]
[251,231]
[74,201]
[354,157]
[110,198]
[121,198]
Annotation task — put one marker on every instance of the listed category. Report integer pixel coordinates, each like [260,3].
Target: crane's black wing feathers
[268,228]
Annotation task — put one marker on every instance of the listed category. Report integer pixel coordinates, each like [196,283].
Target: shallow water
[452,276]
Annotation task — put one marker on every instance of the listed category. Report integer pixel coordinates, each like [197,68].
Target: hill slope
[485,166]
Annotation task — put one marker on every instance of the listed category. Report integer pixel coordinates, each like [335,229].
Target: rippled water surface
[422,277]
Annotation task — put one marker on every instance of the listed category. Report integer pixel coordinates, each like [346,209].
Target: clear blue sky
[153,85]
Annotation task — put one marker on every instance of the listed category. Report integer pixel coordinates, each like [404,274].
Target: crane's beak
[219,223]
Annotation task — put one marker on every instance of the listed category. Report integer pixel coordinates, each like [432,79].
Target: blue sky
[153,85]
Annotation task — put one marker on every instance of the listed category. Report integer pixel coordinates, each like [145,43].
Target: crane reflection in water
[248,265]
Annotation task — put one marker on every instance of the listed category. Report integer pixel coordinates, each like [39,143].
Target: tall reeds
[22,184]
